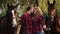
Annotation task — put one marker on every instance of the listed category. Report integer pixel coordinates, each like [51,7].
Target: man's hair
[28,8]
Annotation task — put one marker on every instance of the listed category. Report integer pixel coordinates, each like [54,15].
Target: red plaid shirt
[31,26]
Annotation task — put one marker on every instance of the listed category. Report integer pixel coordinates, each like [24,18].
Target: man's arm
[42,22]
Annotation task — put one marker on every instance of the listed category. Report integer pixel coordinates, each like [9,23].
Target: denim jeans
[40,32]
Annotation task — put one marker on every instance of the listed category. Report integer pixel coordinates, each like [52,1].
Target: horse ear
[54,2]
[37,4]
[48,2]
[16,5]
[8,5]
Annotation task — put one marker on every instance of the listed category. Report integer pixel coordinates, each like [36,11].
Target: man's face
[35,11]
[31,9]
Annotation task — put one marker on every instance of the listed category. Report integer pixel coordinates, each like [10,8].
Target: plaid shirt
[30,25]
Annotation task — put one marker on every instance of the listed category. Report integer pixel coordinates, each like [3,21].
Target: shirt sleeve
[23,18]
[41,21]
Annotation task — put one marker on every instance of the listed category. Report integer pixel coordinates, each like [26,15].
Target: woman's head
[38,11]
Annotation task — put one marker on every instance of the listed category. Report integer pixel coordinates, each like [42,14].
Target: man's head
[30,9]
[38,11]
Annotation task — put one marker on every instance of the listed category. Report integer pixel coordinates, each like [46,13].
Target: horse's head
[11,12]
[51,8]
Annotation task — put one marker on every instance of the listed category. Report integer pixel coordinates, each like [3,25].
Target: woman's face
[31,9]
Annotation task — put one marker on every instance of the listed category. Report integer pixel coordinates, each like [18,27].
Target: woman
[38,11]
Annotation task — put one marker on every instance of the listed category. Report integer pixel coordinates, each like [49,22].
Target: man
[31,23]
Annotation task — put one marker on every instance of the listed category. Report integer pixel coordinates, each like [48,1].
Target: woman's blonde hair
[39,11]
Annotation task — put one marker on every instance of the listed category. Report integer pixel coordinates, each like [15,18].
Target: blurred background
[24,3]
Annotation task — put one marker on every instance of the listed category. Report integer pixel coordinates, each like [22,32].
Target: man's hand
[44,26]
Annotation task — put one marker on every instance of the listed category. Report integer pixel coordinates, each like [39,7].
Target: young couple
[32,21]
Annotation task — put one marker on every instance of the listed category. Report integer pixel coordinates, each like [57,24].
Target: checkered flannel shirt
[31,26]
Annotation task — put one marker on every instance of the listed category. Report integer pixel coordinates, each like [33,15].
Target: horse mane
[58,18]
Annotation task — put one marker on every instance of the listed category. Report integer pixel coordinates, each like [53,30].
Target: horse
[51,19]
[58,25]
[8,23]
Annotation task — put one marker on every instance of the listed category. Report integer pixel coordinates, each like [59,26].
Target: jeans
[40,32]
